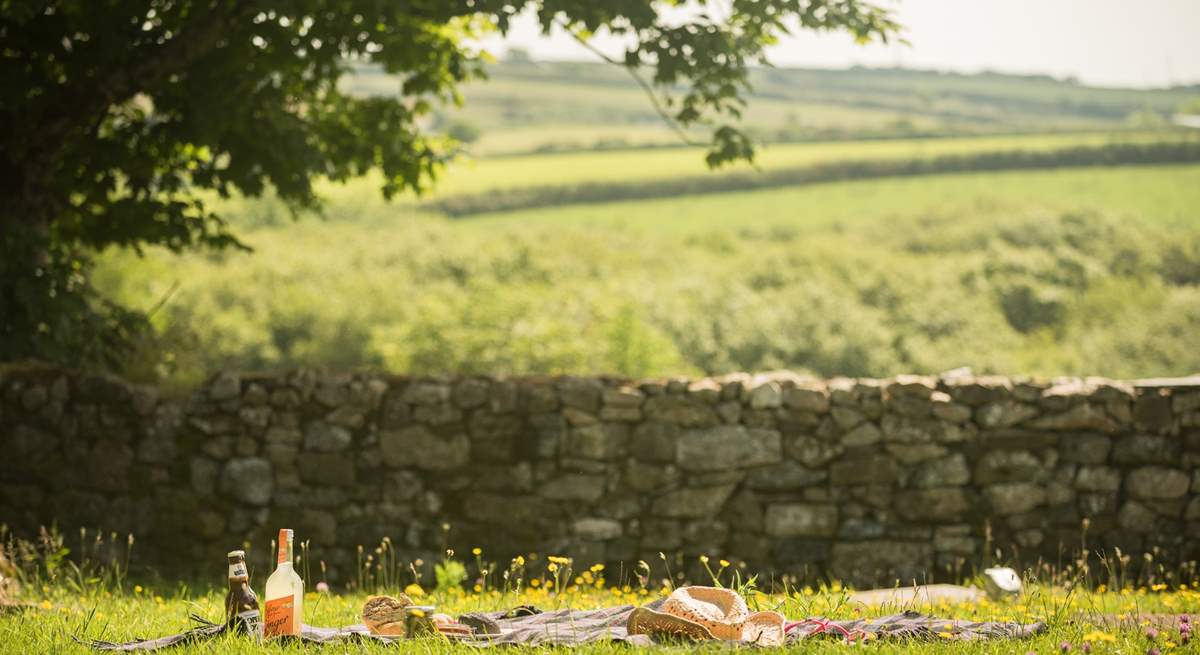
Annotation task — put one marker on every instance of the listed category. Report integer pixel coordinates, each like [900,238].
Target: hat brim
[645,621]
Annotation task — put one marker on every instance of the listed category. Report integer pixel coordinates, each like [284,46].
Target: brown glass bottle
[241,603]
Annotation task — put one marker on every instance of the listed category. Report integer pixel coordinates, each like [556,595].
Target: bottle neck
[285,555]
[238,573]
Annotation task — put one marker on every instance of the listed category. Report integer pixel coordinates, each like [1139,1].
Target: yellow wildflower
[704,559]
[137,589]
[946,635]
[414,590]
[477,551]
[45,605]
[1097,635]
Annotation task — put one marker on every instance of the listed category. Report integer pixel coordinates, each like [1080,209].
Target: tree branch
[646,86]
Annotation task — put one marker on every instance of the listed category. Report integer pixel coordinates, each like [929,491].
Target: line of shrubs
[1074,156]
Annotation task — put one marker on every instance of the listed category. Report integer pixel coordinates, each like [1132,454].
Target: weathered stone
[865,434]
[801,520]
[900,429]
[1018,439]
[227,385]
[597,529]
[730,411]
[916,386]
[1192,513]
[976,391]
[579,417]
[436,415]
[1183,402]
[284,436]
[248,480]
[1098,478]
[416,446]
[662,534]
[471,392]
[203,477]
[949,471]
[1146,449]
[1014,497]
[581,393]
[692,502]
[954,539]
[871,469]
[785,476]
[1004,414]
[645,477]
[1008,466]
[654,442]
[1157,482]
[1083,416]
[744,512]
[944,408]
[846,417]
[766,395]
[1136,516]
[504,397]
[538,398]
[808,398]
[1152,411]
[486,426]
[1085,448]
[908,455]
[336,469]
[1097,504]
[586,488]
[935,505]
[882,562]
[427,392]
[727,447]
[910,406]
[681,411]
[599,441]
[322,437]
[705,390]
[351,417]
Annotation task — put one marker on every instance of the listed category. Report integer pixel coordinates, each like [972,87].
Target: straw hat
[701,613]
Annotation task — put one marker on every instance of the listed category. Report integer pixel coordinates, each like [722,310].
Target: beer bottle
[285,594]
[241,603]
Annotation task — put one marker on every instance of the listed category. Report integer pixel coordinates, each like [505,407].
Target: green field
[1072,271]
[536,106]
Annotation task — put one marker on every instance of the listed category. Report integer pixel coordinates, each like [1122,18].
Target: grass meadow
[1068,271]
[1083,620]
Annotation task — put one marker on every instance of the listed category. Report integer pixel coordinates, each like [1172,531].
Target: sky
[1130,43]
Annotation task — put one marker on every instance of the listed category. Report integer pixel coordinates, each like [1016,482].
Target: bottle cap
[236,553]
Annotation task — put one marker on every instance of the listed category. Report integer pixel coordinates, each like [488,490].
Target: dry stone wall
[862,480]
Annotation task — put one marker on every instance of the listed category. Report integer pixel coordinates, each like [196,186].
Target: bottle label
[237,570]
[250,621]
[280,617]
[283,547]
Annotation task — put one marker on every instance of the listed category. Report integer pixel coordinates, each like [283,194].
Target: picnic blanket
[527,626]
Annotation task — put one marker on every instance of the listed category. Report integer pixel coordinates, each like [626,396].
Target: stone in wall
[867,480]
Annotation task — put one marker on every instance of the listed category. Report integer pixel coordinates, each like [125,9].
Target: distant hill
[546,106]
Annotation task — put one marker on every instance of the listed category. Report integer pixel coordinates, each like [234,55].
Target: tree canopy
[116,115]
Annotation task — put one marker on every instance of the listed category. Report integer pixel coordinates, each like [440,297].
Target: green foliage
[450,574]
[115,116]
[463,131]
[1054,272]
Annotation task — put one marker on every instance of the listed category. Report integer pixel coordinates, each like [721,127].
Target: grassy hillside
[527,106]
[1090,271]
[482,180]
